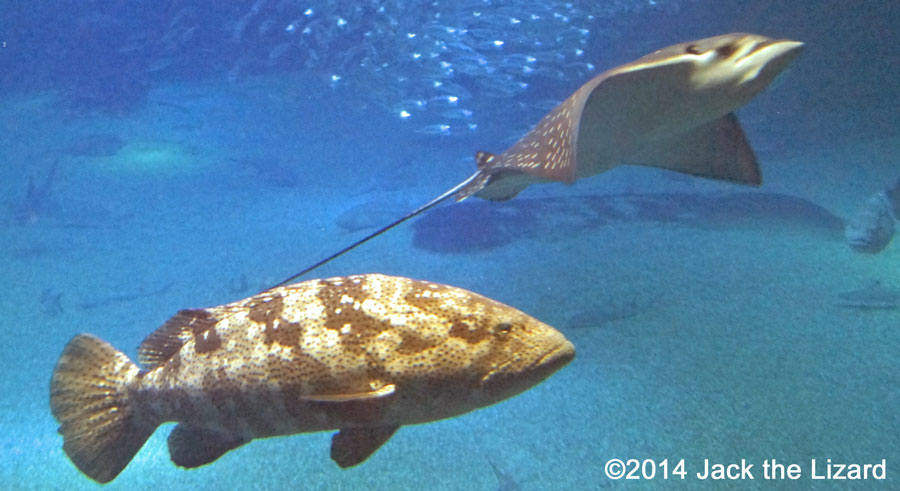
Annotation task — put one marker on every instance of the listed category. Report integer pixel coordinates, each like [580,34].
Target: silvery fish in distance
[361,354]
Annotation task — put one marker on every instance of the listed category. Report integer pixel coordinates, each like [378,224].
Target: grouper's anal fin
[352,446]
[418,211]
[193,446]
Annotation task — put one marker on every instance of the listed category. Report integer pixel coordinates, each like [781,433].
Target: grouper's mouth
[540,369]
[558,356]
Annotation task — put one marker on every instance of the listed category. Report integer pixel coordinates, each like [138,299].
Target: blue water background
[167,155]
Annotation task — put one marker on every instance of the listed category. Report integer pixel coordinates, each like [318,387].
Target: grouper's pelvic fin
[89,396]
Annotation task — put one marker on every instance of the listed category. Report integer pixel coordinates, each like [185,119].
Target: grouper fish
[359,354]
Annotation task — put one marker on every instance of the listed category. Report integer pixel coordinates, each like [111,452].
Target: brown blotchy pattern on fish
[342,300]
[268,312]
[425,298]
[411,344]
[172,368]
[207,341]
[203,329]
[469,330]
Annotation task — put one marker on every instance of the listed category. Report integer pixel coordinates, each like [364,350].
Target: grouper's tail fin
[89,396]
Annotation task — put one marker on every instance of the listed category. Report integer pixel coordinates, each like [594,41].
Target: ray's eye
[726,50]
[503,328]
[692,49]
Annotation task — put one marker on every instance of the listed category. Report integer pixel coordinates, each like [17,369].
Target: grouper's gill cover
[361,354]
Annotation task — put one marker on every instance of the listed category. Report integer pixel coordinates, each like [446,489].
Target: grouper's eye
[503,328]
[692,49]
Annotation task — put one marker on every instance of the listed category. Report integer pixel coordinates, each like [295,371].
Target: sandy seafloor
[706,322]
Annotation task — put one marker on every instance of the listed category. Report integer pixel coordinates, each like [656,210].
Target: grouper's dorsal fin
[164,342]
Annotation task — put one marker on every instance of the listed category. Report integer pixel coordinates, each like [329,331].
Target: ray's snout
[761,60]
[779,53]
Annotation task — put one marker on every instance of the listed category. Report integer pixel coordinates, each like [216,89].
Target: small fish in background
[505,480]
[871,229]
[874,296]
[361,354]
[38,199]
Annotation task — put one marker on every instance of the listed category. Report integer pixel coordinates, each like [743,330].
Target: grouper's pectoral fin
[192,446]
[384,391]
[717,149]
[352,446]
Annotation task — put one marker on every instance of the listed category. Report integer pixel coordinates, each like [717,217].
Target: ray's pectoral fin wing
[192,446]
[717,150]
[352,446]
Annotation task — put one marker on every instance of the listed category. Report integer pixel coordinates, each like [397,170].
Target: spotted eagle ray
[672,109]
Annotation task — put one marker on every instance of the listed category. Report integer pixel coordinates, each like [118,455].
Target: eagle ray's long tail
[418,211]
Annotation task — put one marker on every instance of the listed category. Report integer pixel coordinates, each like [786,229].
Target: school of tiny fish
[434,64]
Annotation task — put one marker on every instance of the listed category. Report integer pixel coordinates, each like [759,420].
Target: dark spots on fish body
[426,297]
[218,388]
[442,363]
[225,394]
[327,383]
[268,311]
[504,345]
[213,380]
[291,371]
[207,341]
[203,330]
[251,408]
[469,330]
[359,331]
[342,301]
[291,396]
[172,403]
[410,343]
[284,333]
[172,367]
[375,369]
